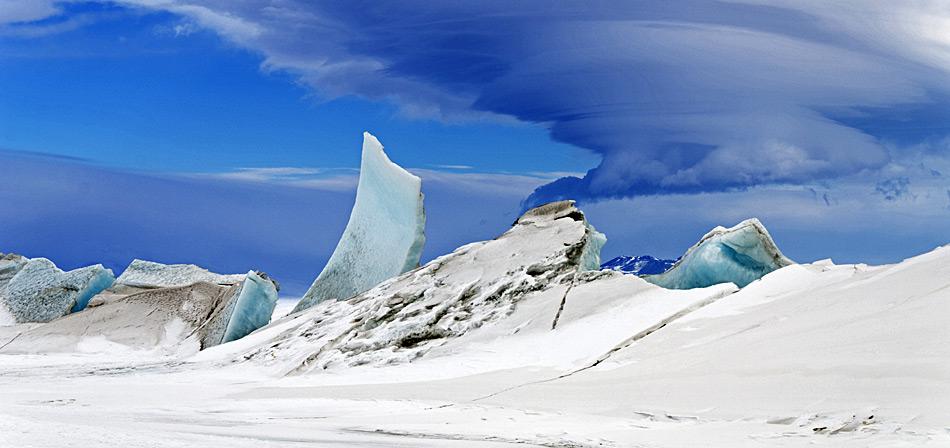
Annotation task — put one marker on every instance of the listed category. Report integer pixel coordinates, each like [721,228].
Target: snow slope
[512,342]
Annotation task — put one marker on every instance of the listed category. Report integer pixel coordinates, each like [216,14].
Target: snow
[149,274]
[639,265]
[41,292]
[385,233]
[510,342]
[740,255]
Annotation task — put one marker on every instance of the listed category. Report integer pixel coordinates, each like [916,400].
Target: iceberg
[385,233]
[35,290]
[741,255]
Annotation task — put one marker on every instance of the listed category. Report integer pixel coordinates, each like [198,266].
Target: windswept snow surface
[385,233]
[510,342]
[741,254]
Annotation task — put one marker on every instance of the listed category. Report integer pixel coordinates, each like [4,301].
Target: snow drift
[385,233]
[739,254]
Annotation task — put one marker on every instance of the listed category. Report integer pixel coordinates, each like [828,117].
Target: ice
[41,292]
[149,274]
[538,271]
[253,307]
[181,319]
[740,254]
[385,233]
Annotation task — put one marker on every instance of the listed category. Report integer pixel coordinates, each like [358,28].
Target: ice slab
[385,233]
[244,310]
[149,274]
[38,291]
[740,255]
[175,320]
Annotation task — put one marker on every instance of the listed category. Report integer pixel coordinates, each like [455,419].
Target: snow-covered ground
[506,342]
[811,355]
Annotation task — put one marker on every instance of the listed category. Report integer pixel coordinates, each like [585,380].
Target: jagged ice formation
[198,315]
[35,290]
[740,255]
[385,233]
[545,255]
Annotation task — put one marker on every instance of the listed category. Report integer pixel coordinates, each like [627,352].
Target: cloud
[696,96]
[451,177]
[14,11]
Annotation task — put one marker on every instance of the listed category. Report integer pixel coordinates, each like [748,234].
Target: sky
[227,133]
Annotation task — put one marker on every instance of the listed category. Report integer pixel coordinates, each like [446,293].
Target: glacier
[35,290]
[385,233]
[740,255]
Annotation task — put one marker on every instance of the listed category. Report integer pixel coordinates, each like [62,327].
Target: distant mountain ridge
[639,265]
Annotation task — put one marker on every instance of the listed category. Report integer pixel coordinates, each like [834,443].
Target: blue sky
[227,133]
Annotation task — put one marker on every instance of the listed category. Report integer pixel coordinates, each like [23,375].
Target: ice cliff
[35,290]
[740,255]
[385,233]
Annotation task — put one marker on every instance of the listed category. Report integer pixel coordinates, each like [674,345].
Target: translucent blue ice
[253,309]
[385,233]
[590,258]
[741,255]
[41,292]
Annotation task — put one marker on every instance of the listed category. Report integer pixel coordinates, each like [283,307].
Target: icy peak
[385,233]
[740,254]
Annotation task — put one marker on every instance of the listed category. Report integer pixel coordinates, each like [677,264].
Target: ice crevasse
[740,254]
[384,236]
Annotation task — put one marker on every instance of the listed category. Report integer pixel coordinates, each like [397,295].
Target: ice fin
[385,233]
[253,308]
